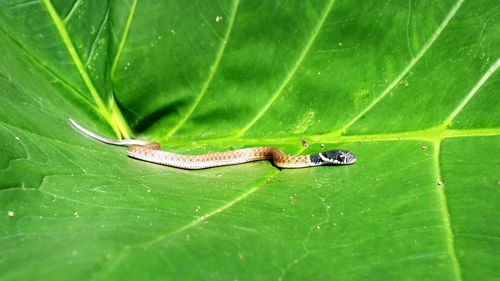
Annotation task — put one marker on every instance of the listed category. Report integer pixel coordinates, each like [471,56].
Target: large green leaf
[411,87]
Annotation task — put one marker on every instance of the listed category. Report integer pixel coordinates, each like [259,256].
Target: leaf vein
[211,75]
[408,21]
[44,67]
[409,67]
[84,203]
[96,38]
[42,137]
[72,10]
[124,38]
[292,72]
[126,249]
[63,32]
[472,92]
[214,212]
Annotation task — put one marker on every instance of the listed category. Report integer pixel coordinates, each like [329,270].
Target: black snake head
[334,157]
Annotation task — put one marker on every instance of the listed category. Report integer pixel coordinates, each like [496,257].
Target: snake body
[150,152]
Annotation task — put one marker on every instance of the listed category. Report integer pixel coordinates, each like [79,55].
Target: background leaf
[410,86]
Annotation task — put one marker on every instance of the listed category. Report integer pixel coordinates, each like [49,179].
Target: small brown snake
[150,152]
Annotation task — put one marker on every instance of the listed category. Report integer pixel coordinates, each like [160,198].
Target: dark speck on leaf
[305,143]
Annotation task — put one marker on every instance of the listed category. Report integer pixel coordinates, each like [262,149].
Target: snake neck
[316,159]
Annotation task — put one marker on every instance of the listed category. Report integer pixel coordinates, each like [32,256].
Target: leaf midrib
[443,202]
[432,134]
[113,116]
[61,29]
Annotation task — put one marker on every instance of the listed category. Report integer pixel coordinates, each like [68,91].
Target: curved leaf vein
[292,71]
[409,67]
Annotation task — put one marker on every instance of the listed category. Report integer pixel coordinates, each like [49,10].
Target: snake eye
[341,158]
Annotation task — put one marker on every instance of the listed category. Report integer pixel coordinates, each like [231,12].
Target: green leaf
[411,87]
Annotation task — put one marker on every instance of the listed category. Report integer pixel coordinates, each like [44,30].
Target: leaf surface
[410,87]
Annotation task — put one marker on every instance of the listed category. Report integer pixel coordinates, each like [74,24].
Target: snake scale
[150,152]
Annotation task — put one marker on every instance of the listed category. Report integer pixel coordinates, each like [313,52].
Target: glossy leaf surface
[412,87]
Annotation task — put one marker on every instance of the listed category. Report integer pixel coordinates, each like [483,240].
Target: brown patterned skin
[151,153]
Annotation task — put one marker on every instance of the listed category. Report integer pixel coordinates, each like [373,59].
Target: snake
[150,152]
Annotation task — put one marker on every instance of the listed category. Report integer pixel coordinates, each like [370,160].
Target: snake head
[337,157]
